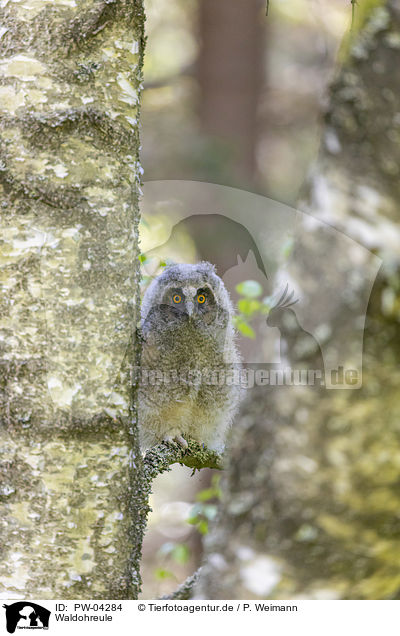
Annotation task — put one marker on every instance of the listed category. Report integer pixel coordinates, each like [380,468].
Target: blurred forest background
[237,98]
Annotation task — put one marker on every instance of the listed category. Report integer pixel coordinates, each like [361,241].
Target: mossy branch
[159,458]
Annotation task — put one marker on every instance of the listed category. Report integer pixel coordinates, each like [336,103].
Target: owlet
[190,365]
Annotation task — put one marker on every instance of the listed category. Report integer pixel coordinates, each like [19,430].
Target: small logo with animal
[26,615]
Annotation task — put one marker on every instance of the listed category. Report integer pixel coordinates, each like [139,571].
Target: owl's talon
[168,439]
[178,439]
[182,442]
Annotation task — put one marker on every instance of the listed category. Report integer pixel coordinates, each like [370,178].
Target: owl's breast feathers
[170,336]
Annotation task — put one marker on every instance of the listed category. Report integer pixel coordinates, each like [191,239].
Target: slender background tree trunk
[230,73]
[70,77]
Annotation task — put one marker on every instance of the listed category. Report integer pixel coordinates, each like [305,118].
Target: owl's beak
[189,307]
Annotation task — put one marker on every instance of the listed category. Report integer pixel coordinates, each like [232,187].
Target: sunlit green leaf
[208,493]
[161,574]
[180,553]
[248,307]
[202,526]
[245,329]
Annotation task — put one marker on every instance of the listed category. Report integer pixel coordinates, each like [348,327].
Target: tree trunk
[230,69]
[311,493]
[70,175]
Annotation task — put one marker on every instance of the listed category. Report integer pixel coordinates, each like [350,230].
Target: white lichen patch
[131,46]
[118,400]
[131,120]
[59,170]
[109,53]
[11,99]
[62,393]
[129,92]
[20,240]
[28,9]
[25,68]
[100,194]
[34,96]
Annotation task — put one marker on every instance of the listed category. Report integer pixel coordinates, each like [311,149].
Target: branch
[184,591]
[159,458]
[156,461]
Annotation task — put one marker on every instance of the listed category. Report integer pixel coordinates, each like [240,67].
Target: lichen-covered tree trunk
[70,76]
[310,499]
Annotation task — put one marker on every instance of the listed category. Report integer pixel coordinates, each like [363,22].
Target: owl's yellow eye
[201,299]
[177,299]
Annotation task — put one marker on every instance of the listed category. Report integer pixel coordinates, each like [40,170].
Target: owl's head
[188,292]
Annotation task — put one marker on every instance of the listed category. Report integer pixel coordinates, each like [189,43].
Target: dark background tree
[230,76]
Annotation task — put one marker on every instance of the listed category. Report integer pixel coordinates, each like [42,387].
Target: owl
[189,384]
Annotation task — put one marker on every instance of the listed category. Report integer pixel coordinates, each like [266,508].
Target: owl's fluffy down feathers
[190,363]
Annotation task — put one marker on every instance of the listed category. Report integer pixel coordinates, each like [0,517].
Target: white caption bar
[21,617]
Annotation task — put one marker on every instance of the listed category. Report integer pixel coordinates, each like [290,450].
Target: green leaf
[248,307]
[208,493]
[142,258]
[245,329]
[249,289]
[287,247]
[192,520]
[161,574]
[202,526]
[180,553]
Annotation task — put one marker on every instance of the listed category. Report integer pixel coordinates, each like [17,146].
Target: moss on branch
[159,458]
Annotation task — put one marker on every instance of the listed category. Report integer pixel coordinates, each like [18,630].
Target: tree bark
[69,177]
[310,497]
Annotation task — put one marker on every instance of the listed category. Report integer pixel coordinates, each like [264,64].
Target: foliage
[205,509]
[250,306]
